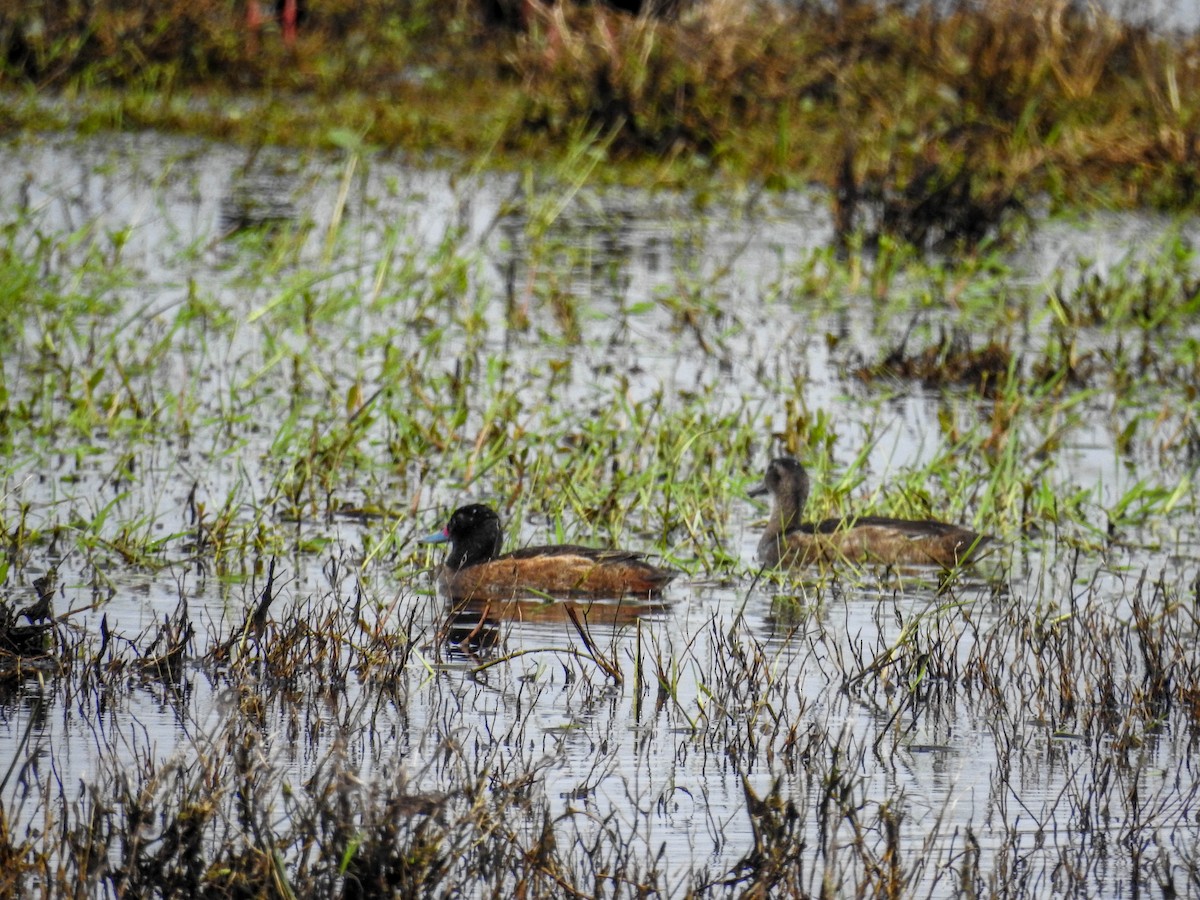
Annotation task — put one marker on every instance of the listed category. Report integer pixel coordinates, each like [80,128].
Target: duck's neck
[786,510]
[477,547]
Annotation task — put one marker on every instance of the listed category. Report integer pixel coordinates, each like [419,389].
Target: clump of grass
[950,361]
[39,645]
[1116,328]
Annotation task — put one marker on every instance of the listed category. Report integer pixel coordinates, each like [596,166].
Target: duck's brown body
[476,570]
[562,571]
[863,539]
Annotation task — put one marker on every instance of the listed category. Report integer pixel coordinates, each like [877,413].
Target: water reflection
[477,627]
[262,195]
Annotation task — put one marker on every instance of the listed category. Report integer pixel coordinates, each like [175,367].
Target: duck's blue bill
[438,537]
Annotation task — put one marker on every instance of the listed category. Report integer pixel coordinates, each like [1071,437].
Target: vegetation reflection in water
[224,435]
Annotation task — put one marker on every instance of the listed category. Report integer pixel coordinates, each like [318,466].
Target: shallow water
[748,661]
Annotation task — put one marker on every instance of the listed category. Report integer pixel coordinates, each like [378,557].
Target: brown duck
[860,539]
[476,569]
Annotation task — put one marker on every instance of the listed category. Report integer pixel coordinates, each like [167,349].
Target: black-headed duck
[862,539]
[476,569]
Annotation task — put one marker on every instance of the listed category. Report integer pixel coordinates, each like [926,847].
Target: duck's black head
[474,534]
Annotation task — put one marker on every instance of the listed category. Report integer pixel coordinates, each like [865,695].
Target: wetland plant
[228,466]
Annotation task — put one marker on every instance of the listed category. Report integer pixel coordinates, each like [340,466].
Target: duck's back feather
[880,540]
[563,570]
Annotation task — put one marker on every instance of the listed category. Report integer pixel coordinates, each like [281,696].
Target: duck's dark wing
[557,551]
[914,528]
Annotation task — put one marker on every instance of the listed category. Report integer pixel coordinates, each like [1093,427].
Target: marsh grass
[263,446]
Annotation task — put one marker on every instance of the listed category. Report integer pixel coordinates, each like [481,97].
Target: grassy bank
[928,126]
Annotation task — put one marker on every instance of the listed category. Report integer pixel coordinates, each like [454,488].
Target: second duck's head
[787,481]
